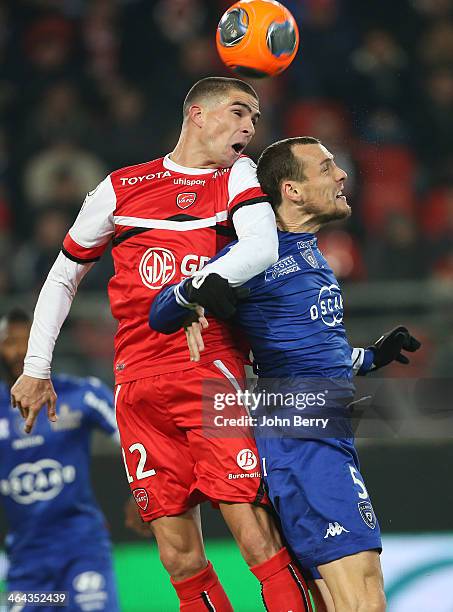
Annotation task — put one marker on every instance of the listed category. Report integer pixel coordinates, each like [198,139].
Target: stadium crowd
[87,87]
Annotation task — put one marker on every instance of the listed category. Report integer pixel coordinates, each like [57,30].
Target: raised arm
[83,245]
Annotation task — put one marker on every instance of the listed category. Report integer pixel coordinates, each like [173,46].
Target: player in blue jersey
[293,317]
[57,538]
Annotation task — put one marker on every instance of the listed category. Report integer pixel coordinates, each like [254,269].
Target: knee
[181,564]
[256,550]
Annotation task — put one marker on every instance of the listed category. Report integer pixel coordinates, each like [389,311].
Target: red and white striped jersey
[165,222]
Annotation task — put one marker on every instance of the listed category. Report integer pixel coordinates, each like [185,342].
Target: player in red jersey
[165,219]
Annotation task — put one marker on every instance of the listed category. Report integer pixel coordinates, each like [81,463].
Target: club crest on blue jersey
[367,513]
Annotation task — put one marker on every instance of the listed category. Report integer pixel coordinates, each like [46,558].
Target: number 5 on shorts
[363,494]
[141,472]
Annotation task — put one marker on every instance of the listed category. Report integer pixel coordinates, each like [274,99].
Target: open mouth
[340,196]
[238,147]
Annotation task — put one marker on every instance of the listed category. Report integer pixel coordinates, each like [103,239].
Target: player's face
[13,348]
[228,127]
[322,191]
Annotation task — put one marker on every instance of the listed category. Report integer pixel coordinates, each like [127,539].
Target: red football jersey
[165,222]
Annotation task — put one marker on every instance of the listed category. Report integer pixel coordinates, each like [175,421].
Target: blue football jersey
[294,314]
[44,476]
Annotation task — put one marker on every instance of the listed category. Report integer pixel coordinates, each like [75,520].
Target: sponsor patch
[157,267]
[246,459]
[367,513]
[141,498]
[284,266]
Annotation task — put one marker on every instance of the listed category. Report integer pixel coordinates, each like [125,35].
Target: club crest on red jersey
[157,267]
[186,199]
[142,499]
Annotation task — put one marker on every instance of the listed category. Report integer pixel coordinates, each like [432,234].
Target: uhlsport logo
[40,481]
[141,497]
[329,306]
[157,267]
[184,200]
[246,459]
[335,529]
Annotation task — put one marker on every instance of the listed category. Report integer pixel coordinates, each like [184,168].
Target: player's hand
[29,395]
[389,347]
[133,520]
[214,293]
[193,327]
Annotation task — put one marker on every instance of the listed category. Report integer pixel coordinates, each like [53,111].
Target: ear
[196,115]
[290,190]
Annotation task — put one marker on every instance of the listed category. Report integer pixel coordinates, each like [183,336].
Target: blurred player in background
[58,540]
[165,219]
[294,319]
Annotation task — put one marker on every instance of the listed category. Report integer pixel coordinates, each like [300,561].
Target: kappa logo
[186,199]
[367,513]
[335,529]
[157,267]
[142,499]
[246,459]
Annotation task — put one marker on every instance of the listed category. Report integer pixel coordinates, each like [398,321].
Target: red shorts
[171,462]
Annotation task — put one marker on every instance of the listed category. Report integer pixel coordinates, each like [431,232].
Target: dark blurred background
[87,86]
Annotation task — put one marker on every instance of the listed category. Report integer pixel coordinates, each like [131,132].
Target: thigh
[91,585]
[156,453]
[36,578]
[226,460]
[320,497]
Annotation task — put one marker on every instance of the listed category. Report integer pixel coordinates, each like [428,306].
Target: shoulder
[136,171]
[244,165]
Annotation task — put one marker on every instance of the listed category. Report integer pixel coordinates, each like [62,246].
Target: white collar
[171,165]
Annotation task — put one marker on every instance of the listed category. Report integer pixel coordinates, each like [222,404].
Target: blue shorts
[88,579]
[319,494]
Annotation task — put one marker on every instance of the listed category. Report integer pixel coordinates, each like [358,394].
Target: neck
[191,153]
[294,219]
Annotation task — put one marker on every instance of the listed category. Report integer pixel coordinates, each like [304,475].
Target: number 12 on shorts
[363,493]
[140,472]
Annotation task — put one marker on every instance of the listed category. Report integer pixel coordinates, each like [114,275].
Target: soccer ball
[257,38]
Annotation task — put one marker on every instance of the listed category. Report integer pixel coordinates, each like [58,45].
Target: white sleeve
[51,310]
[83,245]
[256,249]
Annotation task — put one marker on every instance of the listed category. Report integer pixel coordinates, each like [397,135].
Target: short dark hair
[278,163]
[214,86]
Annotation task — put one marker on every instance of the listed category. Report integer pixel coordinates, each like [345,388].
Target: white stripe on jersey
[242,177]
[176,226]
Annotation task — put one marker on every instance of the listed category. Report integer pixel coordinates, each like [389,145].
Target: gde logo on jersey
[157,267]
[329,306]
[40,481]
[246,459]
[184,200]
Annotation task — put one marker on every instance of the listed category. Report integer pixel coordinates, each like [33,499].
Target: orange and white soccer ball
[257,38]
